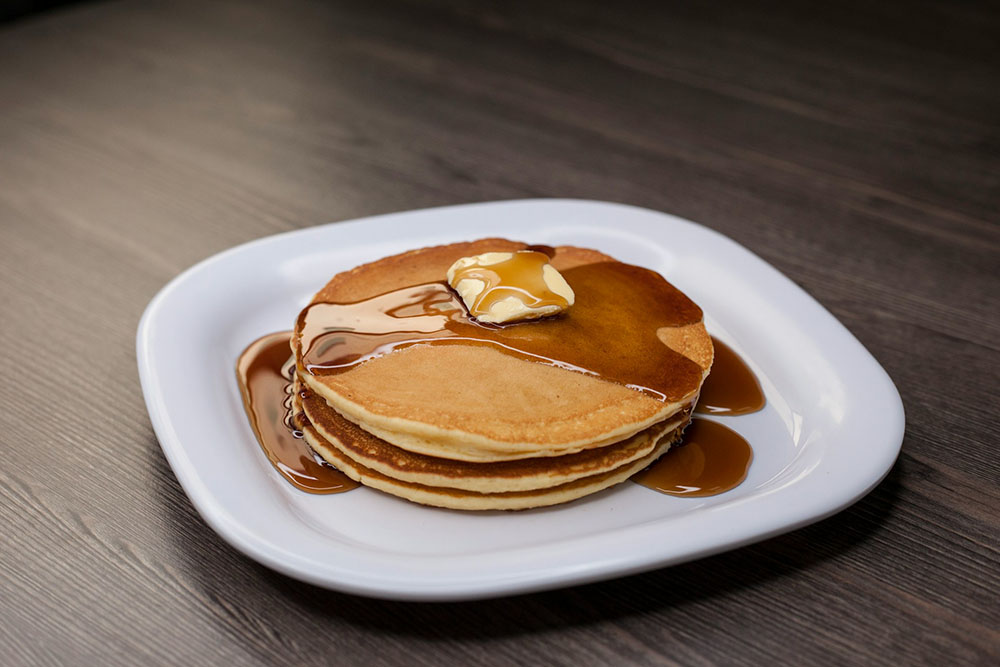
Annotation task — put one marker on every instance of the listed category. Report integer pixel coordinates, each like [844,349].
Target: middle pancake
[501,476]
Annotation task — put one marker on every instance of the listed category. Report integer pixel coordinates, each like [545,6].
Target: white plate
[831,430]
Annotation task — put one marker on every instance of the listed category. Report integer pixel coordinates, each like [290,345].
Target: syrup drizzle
[264,373]
[711,458]
[731,388]
[614,302]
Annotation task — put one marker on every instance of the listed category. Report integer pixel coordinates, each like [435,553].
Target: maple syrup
[264,373]
[711,459]
[731,388]
[610,332]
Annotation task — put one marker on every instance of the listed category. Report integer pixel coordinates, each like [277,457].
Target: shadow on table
[211,564]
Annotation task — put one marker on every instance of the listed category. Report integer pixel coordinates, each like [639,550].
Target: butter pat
[506,287]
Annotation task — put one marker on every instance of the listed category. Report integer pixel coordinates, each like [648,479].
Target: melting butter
[504,287]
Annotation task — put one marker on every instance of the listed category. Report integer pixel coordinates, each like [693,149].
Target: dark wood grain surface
[855,145]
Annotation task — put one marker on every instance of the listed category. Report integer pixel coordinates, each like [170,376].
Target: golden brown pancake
[459,499]
[503,476]
[475,403]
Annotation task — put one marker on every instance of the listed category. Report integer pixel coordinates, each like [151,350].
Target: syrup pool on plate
[711,458]
[264,372]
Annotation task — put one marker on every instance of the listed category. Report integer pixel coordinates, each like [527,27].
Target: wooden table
[854,146]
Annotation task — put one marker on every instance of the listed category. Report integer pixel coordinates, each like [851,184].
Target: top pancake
[476,403]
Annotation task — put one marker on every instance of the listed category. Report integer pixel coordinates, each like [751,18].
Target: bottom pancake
[380,456]
[459,499]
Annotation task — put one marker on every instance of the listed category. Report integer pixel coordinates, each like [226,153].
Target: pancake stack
[478,427]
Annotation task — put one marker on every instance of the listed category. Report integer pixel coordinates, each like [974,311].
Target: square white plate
[831,430]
